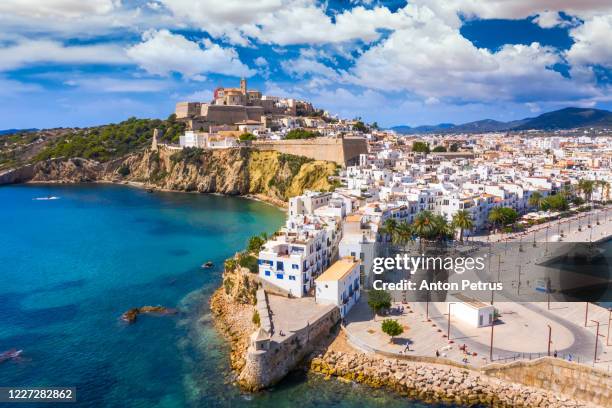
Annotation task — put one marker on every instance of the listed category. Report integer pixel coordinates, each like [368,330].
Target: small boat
[11,354]
[46,198]
[207,265]
[149,190]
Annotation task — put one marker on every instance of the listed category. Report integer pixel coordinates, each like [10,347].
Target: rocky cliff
[267,174]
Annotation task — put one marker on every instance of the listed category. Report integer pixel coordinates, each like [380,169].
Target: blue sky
[75,63]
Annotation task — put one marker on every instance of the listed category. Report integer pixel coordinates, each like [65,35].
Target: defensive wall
[265,367]
[344,151]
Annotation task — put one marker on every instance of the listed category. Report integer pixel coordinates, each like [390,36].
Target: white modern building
[472,312]
[339,285]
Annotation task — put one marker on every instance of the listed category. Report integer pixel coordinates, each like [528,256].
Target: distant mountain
[12,131]
[568,118]
[441,127]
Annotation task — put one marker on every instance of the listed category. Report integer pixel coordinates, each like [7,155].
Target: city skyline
[426,62]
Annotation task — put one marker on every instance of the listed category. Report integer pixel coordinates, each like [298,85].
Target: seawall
[437,383]
[269,359]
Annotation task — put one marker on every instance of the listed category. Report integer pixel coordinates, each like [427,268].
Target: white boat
[46,198]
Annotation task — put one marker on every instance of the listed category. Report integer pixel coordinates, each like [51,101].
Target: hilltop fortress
[233,106]
[269,120]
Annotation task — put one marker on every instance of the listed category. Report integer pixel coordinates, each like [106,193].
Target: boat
[207,265]
[46,198]
[11,354]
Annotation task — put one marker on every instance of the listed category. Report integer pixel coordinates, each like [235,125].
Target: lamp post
[449,318]
[596,340]
[549,338]
[491,348]
[586,314]
[609,320]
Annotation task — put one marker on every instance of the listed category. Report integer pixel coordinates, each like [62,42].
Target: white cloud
[516,9]
[261,62]
[28,52]
[162,52]
[117,85]
[430,58]
[548,19]
[57,8]
[592,42]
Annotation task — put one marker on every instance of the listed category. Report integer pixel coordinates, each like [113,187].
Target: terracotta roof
[340,269]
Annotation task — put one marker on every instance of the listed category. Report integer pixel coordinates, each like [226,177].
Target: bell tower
[243,86]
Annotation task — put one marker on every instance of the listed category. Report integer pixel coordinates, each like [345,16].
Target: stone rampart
[553,374]
[344,151]
[264,368]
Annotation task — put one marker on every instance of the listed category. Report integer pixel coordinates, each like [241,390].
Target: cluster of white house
[392,183]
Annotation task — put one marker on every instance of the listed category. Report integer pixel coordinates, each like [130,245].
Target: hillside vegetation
[100,143]
[107,142]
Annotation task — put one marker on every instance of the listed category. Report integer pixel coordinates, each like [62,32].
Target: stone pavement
[521,333]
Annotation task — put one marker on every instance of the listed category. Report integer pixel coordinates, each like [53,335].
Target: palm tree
[496,216]
[586,187]
[403,233]
[462,220]
[535,199]
[389,227]
[604,185]
[423,225]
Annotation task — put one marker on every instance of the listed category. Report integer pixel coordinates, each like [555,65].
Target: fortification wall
[560,376]
[343,151]
[264,368]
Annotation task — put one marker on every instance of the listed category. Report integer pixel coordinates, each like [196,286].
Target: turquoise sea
[70,267]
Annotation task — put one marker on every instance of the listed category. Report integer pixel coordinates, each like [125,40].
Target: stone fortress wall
[265,367]
[343,151]
[554,374]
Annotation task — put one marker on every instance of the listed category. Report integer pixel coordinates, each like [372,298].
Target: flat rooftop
[338,270]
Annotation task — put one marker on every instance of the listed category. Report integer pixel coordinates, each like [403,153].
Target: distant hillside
[13,131]
[568,118]
[441,127]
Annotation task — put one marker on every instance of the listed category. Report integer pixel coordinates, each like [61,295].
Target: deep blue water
[70,267]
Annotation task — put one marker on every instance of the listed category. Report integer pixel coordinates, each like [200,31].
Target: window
[295,266]
[292,278]
[352,254]
[280,266]
[279,276]
[267,273]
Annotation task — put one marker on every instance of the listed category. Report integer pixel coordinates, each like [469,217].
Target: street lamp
[449,317]
[609,320]
[491,349]
[596,340]
[549,338]
[586,314]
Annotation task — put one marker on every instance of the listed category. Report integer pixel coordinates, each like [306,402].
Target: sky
[83,63]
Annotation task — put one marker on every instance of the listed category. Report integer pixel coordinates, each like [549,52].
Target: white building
[472,312]
[339,285]
[193,139]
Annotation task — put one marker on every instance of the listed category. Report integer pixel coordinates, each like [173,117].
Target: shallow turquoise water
[70,267]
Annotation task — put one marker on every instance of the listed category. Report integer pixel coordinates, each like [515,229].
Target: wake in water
[46,198]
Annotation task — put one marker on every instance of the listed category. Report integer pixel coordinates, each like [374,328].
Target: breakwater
[435,383]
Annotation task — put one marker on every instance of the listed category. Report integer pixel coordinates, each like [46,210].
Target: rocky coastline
[267,176]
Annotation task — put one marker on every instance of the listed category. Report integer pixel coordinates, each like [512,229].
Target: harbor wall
[553,374]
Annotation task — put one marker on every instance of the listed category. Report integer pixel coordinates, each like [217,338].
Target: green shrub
[379,300]
[301,134]
[256,319]
[392,328]
[248,261]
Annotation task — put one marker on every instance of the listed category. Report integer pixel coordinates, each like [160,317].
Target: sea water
[70,267]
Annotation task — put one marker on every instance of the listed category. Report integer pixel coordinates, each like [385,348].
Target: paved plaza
[521,332]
